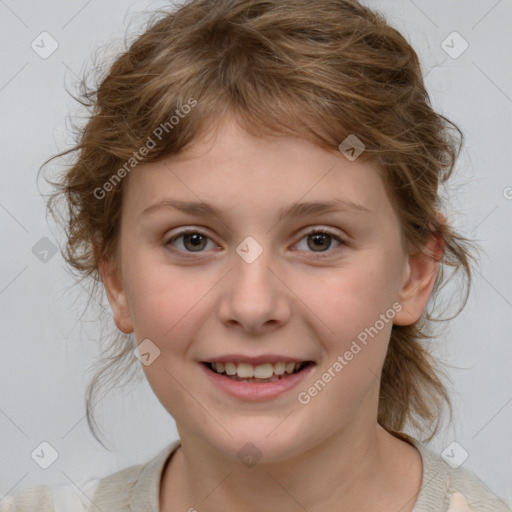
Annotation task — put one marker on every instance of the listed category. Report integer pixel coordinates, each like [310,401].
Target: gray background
[47,348]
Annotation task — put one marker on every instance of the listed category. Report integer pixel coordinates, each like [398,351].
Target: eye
[193,240]
[321,239]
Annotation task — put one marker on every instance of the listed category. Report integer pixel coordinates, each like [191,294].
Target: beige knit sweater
[136,489]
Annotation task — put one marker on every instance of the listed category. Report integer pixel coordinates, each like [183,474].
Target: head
[247,106]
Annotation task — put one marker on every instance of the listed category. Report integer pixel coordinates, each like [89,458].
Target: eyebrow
[296,210]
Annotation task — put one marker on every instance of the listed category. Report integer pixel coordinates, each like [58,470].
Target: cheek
[353,318]
[164,300]
[351,299]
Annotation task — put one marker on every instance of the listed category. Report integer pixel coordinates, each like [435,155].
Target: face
[250,283]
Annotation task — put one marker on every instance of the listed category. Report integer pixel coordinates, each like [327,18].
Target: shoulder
[132,488]
[453,489]
[45,498]
[136,487]
[115,491]
[466,489]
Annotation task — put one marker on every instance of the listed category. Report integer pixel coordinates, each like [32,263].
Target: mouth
[260,373]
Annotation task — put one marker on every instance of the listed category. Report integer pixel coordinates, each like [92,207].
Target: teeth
[279,368]
[260,371]
[290,367]
[230,368]
[245,371]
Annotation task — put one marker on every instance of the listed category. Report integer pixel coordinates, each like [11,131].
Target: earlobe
[116,296]
[419,278]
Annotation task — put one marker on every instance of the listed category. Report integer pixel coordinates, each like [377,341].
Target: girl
[257,191]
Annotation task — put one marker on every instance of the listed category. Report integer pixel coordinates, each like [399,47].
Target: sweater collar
[146,495]
[432,492]
[146,492]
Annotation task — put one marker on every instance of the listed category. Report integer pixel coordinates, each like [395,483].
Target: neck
[348,471]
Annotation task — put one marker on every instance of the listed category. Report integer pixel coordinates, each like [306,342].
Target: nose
[255,297]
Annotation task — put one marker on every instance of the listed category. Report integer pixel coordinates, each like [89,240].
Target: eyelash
[318,255]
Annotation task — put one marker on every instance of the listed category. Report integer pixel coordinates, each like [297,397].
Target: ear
[420,274]
[116,296]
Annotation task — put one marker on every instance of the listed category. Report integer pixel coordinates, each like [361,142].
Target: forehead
[230,167]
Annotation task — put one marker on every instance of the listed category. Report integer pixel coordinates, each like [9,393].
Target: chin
[256,443]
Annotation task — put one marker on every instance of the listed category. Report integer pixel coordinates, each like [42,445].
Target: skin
[330,453]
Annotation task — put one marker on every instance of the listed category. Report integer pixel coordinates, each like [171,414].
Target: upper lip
[254,360]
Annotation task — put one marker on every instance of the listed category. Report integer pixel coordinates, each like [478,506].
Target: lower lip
[255,391]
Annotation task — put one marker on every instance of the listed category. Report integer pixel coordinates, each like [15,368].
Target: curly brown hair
[321,70]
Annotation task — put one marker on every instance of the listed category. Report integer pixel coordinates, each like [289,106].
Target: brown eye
[188,241]
[320,241]
[194,241]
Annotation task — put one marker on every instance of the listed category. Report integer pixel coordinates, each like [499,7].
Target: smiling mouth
[267,372]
